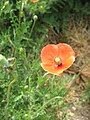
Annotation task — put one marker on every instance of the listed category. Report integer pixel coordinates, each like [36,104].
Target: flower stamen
[58,61]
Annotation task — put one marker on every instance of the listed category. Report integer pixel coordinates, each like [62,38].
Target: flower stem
[8,96]
[32,27]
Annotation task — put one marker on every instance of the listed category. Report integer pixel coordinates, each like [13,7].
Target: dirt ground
[78,36]
[78,108]
[80,41]
[79,113]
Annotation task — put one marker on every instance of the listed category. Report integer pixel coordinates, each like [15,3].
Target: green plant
[26,93]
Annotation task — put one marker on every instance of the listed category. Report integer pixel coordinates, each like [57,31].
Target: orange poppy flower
[34,1]
[57,58]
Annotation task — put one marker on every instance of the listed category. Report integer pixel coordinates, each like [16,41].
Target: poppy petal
[65,51]
[59,69]
[51,69]
[34,1]
[48,53]
[68,62]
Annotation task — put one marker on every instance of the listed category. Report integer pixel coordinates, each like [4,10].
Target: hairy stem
[8,96]
[32,27]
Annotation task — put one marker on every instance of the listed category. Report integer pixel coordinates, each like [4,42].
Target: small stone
[71,114]
[74,108]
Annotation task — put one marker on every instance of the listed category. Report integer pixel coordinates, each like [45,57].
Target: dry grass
[78,35]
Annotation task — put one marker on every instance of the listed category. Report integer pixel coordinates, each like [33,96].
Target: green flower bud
[35,17]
